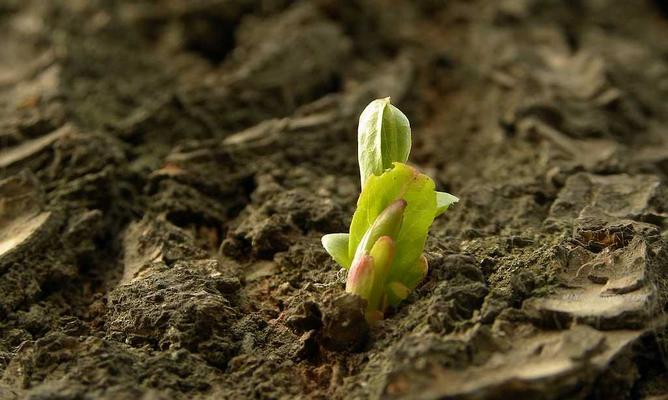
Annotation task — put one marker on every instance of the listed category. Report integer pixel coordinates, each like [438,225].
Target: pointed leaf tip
[383,251]
[336,244]
[361,276]
[383,137]
[396,293]
[387,223]
[444,201]
[416,273]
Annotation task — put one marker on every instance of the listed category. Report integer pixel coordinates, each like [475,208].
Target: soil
[168,168]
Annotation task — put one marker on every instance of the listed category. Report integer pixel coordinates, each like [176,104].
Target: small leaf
[336,244]
[383,137]
[382,253]
[443,201]
[373,316]
[360,277]
[396,293]
[388,223]
[416,273]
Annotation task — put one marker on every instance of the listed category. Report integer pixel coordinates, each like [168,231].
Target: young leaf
[336,244]
[443,201]
[382,252]
[401,182]
[368,274]
[396,293]
[408,281]
[416,273]
[383,137]
[361,276]
[388,223]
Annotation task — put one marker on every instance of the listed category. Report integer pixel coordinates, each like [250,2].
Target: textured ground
[167,169]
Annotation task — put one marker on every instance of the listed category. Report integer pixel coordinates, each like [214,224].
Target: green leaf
[388,223]
[416,273]
[382,252]
[396,292]
[443,201]
[383,137]
[360,279]
[400,182]
[336,244]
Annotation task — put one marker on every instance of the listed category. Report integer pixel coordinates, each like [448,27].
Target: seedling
[383,251]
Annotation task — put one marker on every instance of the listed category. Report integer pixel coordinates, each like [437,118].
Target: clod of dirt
[194,195]
[279,221]
[308,345]
[615,293]
[577,95]
[596,231]
[344,326]
[30,148]
[21,205]
[265,57]
[187,300]
[491,208]
[186,306]
[622,196]
[152,241]
[27,234]
[71,169]
[304,317]
[65,361]
[592,154]
[452,304]
[277,64]
[546,365]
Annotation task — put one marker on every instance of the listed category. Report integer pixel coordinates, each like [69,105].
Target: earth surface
[167,169]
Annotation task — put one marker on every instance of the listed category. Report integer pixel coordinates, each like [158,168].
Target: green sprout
[383,250]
